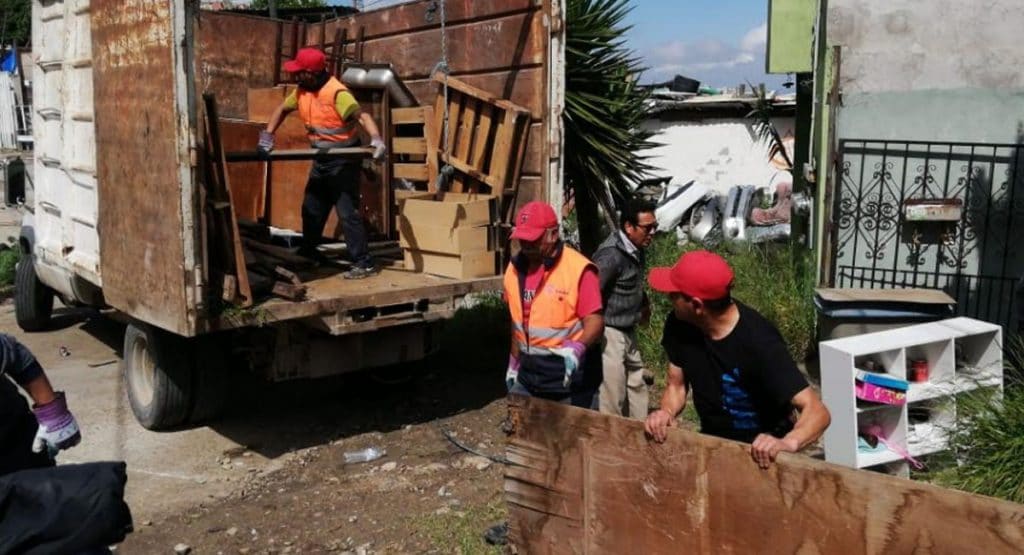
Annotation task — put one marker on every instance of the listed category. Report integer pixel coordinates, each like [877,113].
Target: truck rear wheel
[158,375]
[33,300]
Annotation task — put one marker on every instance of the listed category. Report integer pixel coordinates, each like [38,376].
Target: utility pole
[272,6]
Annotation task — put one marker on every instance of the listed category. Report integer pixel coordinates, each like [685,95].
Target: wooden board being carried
[583,482]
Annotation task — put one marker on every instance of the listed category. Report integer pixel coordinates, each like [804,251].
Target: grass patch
[8,261]
[775,279]
[462,531]
[988,443]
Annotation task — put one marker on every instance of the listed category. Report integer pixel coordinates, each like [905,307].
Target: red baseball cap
[533,219]
[698,274]
[306,59]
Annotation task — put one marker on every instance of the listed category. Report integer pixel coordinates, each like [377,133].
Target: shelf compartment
[928,426]
[938,355]
[893,362]
[892,422]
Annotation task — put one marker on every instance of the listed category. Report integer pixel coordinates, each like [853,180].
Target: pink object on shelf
[877,394]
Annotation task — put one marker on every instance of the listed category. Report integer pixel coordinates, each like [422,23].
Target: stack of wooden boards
[450,235]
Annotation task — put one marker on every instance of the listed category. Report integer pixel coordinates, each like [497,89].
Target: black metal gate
[977,259]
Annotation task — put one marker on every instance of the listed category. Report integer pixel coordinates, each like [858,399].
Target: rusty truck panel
[143,172]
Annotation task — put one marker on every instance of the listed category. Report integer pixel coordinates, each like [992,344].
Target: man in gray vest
[620,263]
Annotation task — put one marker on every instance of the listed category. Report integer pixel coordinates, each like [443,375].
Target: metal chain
[447,171]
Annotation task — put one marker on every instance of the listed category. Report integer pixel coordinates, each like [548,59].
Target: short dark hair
[633,209]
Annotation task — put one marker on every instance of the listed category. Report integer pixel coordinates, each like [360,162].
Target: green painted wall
[791,36]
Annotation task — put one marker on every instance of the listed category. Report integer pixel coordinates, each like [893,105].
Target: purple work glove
[266,143]
[57,427]
[512,373]
[572,352]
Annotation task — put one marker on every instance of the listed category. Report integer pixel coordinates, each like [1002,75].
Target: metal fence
[978,260]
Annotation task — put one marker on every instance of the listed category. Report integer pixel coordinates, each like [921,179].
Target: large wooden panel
[582,482]
[139,162]
[245,178]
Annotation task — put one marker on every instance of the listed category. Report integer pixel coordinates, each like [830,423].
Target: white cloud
[755,39]
[714,61]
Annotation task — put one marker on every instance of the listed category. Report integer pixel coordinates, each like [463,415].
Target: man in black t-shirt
[745,384]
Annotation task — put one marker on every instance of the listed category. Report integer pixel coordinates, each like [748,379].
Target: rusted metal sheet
[139,129]
[583,482]
[233,54]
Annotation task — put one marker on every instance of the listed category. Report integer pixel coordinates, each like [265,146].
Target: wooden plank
[261,102]
[408,145]
[217,154]
[501,156]
[524,87]
[467,124]
[430,133]
[582,482]
[401,116]
[470,171]
[486,96]
[412,172]
[246,179]
[455,102]
[483,139]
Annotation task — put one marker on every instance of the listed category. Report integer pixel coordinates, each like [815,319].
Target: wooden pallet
[411,141]
[486,139]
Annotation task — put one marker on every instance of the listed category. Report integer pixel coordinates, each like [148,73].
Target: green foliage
[15,21]
[604,108]
[8,260]
[264,4]
[988,440]
[771,279]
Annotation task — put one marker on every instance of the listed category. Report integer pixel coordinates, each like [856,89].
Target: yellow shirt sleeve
[292,101]
[345,104]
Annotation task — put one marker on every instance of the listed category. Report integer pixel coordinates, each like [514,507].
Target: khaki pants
[623,392]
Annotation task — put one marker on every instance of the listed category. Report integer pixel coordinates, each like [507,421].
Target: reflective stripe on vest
[323,122]
[553,317]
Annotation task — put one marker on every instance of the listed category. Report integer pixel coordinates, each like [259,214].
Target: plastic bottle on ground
[363,455]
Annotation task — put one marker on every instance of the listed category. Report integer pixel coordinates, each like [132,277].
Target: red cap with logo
[533,219]
[307,59]
[698,274]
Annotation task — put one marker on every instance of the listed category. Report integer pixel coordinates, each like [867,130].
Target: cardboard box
[445,240]
[452,210]
[469,265]
[401,196]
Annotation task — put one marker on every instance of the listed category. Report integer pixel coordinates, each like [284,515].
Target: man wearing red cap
[554,297]
[744,381]
[332,117]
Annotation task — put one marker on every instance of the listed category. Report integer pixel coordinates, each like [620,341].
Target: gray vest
[622,282]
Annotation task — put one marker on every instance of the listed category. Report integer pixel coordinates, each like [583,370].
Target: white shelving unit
[963,355]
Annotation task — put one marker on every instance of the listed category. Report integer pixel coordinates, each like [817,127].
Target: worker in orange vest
[332,117]
[554,297]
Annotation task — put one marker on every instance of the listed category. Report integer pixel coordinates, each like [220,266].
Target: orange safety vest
[553,317]
[324,125]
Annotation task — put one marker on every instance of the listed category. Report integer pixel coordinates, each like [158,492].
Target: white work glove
[58,429]
[266,143]
[572,352]
[512,373]
[379,149]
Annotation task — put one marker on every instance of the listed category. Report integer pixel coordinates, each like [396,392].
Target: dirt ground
[425,496]
[269,476]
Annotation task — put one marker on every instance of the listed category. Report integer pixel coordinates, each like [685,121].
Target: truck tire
[33,300]
[158,374]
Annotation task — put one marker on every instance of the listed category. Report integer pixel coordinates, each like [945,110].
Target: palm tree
[603,111]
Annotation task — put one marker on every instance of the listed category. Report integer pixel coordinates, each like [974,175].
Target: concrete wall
[936,70]
[791,36]
[718,153]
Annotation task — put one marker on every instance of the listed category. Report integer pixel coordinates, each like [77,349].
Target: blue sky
[718,42]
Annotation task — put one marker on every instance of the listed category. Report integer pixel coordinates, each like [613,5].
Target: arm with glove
[58,429]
